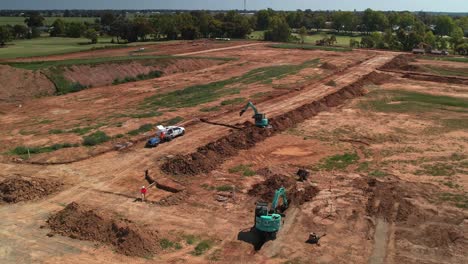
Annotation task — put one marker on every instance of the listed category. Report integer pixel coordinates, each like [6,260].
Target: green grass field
[48,20]
[455,59]
[310,39]
[308,47]
[45,46]
[341,40]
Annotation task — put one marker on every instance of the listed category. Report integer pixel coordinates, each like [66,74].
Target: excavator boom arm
[281,192]
[251,105]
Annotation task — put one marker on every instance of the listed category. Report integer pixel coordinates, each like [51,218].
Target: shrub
[95,139]
[202,247]
[141,129]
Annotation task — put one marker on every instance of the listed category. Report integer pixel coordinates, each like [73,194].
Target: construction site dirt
[385,157]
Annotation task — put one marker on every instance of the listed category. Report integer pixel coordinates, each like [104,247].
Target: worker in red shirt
[143,193]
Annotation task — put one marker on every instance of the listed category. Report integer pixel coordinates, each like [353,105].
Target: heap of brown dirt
[80,222]
[266,189]
[433,235]
[210,156]
[387,200]
[400,62]
[436,78]
[21,189]
[99,75]
[328,66]
[18,84]
[303,195]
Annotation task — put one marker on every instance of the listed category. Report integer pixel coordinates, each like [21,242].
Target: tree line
[383,30]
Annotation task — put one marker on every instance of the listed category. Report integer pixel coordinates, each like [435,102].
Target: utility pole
[245,5]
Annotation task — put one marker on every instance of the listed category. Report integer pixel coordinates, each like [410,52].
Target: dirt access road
[111,180]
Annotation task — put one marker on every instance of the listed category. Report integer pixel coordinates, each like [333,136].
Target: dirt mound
[100,75]
[400,62]
[80,222]
[433,235]
[328,66]
[435,78]
[387,200]
[21,189]
[377,78]
[18,84]
[301,196]
[266,189]
[210,156]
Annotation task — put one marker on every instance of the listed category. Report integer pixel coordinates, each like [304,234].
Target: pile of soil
[387,200]
[401,62]
[210,156]
[305,195]
[81,222]
[15,190]
[328,66]
[433,235]
[266,190]
[99,75]
[417,225]
[19,84]
[435,78]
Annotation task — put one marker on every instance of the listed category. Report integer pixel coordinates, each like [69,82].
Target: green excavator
[260,118]
[268,221]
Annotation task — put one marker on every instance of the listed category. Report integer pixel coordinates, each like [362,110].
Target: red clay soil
[328,66]
[436,78]
[397,202]
[266,190]
[18,84]
[100,75]
[21,189]
[210,156]
[401,62]
[81,222]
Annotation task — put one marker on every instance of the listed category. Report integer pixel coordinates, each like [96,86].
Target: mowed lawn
[44,46]
[48,20]
[310,39]
[341,40]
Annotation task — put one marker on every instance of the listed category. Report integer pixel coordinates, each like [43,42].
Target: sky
[411,5]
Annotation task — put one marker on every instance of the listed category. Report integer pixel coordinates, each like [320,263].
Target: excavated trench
[210,156]
[401,64]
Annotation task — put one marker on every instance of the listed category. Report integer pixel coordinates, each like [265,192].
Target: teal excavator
[260,118]
[268,221]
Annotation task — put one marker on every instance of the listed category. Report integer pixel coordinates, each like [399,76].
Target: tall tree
[74,29]
[58,28]
[456,37]
[263,19]
[279,30]
[374,20]
[92,35]
[303,34]
[318,21]
[344,20]
[34,19]
[20,31]
[5,35]
[142,27]
[444,25]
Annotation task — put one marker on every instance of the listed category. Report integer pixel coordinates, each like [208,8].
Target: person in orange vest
[143,193]
[162,135]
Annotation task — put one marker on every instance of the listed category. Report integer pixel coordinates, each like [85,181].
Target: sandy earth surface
[395,215]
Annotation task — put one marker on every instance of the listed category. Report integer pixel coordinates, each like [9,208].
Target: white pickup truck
[164,134]
[169,132]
